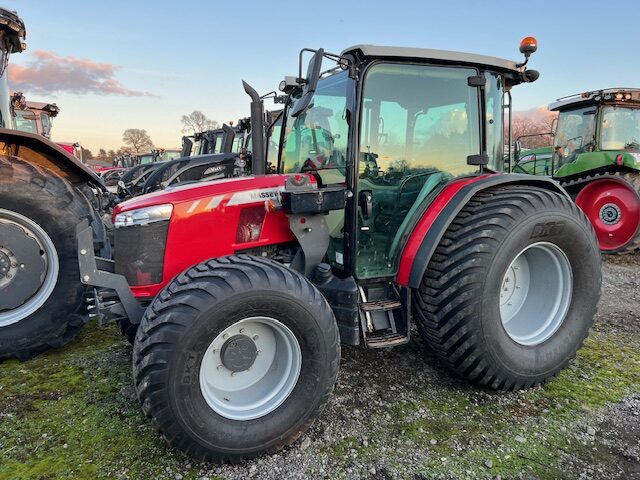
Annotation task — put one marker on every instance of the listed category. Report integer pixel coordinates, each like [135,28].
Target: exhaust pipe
[258,161]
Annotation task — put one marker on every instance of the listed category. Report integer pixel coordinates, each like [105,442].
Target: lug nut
[83,252]
[255,337]
[219,367]
[242,330]
[225,336]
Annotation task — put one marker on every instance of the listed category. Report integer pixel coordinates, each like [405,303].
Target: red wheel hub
[613,208]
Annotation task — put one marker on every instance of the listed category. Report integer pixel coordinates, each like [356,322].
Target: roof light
[528,45]
[619,159]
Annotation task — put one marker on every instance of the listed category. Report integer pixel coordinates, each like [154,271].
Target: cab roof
[440,56]
[618,95]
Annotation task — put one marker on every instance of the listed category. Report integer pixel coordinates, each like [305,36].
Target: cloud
[50,73]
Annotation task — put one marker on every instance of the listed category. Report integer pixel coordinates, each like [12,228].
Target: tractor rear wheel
[236,357]
[41,297]
[612,204]
[511,291]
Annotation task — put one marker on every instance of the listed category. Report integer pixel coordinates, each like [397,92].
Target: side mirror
[311,82]
[531,75]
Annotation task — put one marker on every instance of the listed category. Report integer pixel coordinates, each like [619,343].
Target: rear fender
[38,150]
[434,222]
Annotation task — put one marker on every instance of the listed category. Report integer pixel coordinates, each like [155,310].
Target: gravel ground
[363,419]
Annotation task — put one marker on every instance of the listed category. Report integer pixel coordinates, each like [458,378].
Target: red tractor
[388,208]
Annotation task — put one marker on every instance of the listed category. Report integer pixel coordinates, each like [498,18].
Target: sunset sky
[116,65]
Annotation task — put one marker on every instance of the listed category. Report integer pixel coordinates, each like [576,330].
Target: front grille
[139,252]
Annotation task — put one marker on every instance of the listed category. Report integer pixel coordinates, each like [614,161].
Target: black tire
[57,207]
[457,306]
[195,308]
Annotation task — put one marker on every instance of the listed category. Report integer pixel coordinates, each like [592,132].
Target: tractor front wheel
[511,291]
[612,205]
[236,357]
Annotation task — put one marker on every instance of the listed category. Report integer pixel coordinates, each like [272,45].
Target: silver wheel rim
[267,368]
[50,277]
[535,293]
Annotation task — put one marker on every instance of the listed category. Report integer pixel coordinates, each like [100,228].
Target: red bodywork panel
[428,218]
[206,221]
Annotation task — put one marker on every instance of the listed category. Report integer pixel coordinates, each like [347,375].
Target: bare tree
[529,127]
[196,122]
[137,139]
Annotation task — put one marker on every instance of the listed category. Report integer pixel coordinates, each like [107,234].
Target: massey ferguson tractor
[596,158]
[387,208]
[45,192]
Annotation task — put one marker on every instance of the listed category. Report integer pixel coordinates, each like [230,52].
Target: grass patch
[62,415]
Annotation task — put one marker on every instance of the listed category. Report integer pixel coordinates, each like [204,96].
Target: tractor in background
[45,193]
[596,157]
[387,208]
[33,117]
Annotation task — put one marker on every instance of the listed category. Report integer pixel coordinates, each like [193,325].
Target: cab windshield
[575,134]
[317,139]
[26,122]
[620,128]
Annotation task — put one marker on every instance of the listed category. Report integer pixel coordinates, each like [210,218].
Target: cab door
[419,124]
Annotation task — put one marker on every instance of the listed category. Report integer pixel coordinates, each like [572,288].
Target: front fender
[41,151]
[434,222]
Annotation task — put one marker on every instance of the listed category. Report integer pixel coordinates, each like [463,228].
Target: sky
[143,64]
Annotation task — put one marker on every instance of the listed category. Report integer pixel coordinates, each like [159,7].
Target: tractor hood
[203,195]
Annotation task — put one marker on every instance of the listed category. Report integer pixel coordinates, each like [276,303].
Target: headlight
[143,216]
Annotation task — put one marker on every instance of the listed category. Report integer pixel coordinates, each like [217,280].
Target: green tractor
[596,157]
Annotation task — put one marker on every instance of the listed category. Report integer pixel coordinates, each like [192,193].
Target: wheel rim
[28,265]
[613,208]
[250,368]
[535,293]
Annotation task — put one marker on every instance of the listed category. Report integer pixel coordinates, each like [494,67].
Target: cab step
[384,340]
[384,315]
[380,305]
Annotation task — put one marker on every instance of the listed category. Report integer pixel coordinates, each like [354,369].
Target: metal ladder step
[380,305]
[386,340]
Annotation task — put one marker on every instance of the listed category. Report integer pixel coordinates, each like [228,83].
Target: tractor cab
[35,117]
[423,118]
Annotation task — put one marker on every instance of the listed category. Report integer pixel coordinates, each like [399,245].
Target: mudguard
[434,222]
[41,151]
